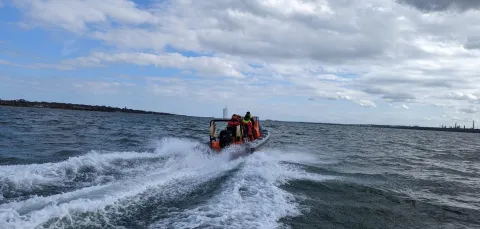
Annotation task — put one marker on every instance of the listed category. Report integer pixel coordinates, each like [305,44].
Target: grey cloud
[469,110]
[374,90]
[277,50]
[431,79]
[442,5]
[438,84]
[399,97]
[473,43]
[389,94]
[249,29]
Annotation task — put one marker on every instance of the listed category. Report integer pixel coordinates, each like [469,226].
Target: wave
[180,184]
[89,169]
[251,199]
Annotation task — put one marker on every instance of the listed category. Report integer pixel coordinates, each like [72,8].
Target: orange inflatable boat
[237,134]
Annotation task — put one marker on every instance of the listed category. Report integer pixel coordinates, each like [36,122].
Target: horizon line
[269,119]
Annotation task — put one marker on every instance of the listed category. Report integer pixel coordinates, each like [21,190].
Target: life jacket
[248,129]
[234,122]
[249,126]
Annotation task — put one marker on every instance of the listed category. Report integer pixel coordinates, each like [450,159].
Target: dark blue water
[75,169]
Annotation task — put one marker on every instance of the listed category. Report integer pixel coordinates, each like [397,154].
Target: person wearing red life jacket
[232,126]
[235,121]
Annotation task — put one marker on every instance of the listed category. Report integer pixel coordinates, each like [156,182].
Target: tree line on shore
[70,106]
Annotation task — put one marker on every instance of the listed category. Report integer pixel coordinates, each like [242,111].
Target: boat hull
[259,142]
[248,148]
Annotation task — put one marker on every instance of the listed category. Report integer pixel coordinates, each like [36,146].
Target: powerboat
[236,135]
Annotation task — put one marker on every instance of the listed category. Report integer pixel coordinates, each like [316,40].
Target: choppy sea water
[76,169]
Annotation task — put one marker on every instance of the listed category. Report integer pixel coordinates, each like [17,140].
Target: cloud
[381,51]
[339,96]
[36,65]
[250,29]
[205,66]
[77,16]
[462,96]
[366,103]
[469,110]
[101,87]
[442,5]
[473,42]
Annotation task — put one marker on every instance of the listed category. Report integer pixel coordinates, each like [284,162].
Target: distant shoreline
[71,106]
[444,129]
[83,107]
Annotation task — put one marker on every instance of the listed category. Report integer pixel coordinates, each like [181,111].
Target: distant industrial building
[225,112]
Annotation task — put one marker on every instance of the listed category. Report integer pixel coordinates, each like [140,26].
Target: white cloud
[366,103]
[77,15]
[209,66]
[381,51]
[462,96]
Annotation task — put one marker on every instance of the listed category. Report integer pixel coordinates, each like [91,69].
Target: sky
[399,62]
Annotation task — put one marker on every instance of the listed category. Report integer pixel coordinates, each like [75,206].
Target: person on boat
[253,125]
[247,123]
[232,126]
[235,121]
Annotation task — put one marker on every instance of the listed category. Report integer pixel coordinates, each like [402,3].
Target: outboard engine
[225,138]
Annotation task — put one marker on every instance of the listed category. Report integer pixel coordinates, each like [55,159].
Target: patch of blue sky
[127,73]
[9,13]
[36,45]
[256,66]
[111,73]
[340,73]
[22,72]
[112,24]
[139,70]
[266,83]
[147,4]
[348,75]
